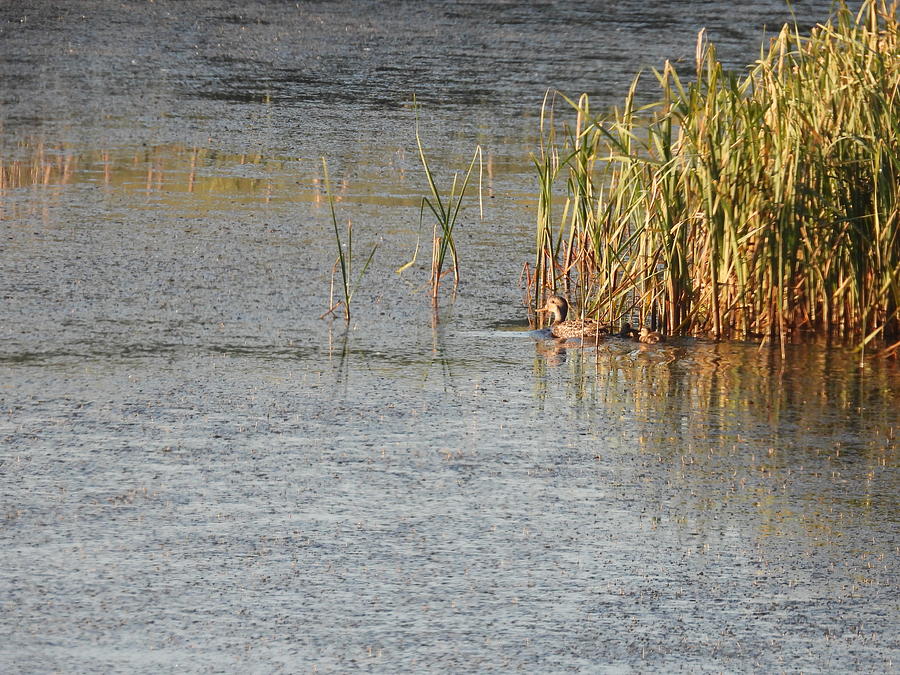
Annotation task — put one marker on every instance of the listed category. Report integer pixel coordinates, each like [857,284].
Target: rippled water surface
[199,473]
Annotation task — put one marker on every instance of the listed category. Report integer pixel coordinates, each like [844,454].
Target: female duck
[558,308]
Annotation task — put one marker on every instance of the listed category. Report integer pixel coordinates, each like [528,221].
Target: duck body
[650,337]
[558,308]
[578,328]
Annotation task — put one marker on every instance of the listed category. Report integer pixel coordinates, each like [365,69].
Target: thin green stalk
[346,259]
[446,212]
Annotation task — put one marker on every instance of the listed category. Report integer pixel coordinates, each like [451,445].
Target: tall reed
[345,258]
[759,205]
[445,209]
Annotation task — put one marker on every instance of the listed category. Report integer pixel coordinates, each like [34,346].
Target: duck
[558,308]
[650,337]
[628,333]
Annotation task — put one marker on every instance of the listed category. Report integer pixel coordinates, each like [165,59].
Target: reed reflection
[182,176]
[708,383]
[805,447]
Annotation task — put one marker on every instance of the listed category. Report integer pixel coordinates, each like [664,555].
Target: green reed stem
[445,209]
[345,259]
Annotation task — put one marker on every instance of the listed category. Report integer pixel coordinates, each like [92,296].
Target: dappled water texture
[198,473]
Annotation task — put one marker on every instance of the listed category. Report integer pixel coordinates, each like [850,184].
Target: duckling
[650,337]
[558,307]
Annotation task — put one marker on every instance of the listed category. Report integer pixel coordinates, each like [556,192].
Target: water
[199,473]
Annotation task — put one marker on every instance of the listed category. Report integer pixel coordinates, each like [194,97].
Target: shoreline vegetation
[763,205]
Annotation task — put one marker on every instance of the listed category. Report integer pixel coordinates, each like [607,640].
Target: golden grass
[756,205]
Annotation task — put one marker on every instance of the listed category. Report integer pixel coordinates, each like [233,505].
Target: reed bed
[760,205]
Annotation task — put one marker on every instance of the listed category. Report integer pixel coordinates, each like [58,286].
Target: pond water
[199,473]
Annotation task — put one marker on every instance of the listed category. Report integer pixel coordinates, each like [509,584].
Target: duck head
[650,336]
[558,308]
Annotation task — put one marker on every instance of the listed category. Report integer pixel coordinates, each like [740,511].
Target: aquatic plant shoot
[445,209]
[345,258]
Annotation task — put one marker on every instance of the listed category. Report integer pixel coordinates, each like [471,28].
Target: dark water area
[197,473]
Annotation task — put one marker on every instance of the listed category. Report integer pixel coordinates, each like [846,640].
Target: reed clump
[445,208]
[756,205]
[345,256]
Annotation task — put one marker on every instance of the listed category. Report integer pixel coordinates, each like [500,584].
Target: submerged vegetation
[760,205]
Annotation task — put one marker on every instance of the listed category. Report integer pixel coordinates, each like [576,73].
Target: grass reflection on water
[198,179]
[802,449]
[694,385]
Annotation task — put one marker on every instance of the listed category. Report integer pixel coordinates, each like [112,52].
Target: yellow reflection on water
[694,387]
[200,180]
[807,444]
[191,178]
